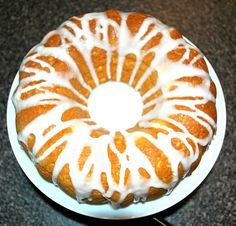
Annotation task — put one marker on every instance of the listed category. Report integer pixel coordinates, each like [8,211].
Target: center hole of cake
[115,106]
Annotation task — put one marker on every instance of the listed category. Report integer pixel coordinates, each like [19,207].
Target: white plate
[183,189]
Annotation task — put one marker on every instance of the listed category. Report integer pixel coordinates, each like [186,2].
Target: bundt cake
[95,162]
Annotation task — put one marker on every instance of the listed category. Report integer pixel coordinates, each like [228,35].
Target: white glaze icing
[168,73]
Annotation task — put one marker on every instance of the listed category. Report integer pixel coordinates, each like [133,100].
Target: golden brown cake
[95,164]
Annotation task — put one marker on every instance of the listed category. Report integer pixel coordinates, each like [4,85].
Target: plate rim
[121,213]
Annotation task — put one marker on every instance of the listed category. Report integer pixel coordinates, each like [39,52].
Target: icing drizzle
[152,58]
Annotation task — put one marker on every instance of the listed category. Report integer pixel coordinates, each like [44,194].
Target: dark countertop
[208,24]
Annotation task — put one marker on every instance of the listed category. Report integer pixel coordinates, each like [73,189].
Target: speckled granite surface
[208,24]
